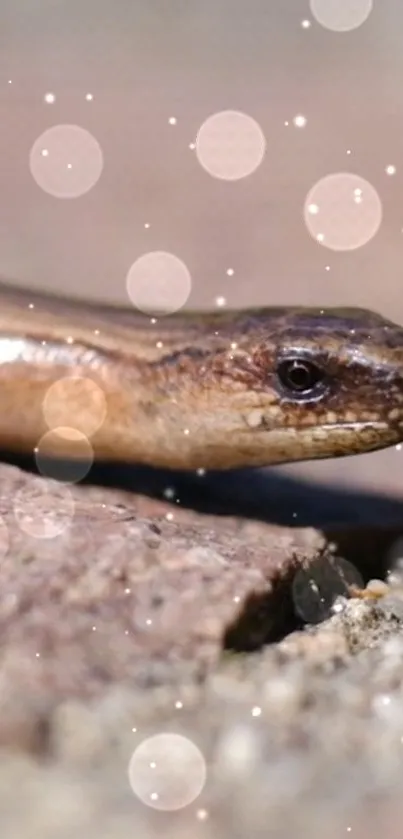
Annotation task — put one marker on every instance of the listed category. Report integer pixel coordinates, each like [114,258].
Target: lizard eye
[299,375]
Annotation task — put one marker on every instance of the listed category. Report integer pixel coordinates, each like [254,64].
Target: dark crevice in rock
[264,618]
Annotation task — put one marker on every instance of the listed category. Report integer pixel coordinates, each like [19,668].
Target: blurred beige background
[142,77]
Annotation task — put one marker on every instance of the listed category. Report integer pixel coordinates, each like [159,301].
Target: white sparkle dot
[300,121]
[89,97]
[178,704]
[313,209]
[49,98]
[192,146]
[230,272]
[172,120]
[44,152]
[320,237]
[169,516]
[186,431]
[220,301]
[306,24]
[256,711]
[390,170]
[348,151]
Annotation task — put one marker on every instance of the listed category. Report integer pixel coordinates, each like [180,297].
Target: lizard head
[320,383]
[277,385]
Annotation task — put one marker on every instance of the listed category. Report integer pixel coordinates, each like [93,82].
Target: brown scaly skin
[203,390]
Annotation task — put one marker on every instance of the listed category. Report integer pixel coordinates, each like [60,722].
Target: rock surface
[124,619]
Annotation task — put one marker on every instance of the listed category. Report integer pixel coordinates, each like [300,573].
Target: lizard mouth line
[374,425]
[344,426]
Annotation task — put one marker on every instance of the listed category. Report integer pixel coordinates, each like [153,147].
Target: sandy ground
[124,619]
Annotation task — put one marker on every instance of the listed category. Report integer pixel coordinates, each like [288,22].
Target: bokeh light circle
[167,771]
[66,161]
[73,451]
[230,145]
[158,283]
[341,15]
[343,211]
[315,588]
[43,508]
[74,402]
